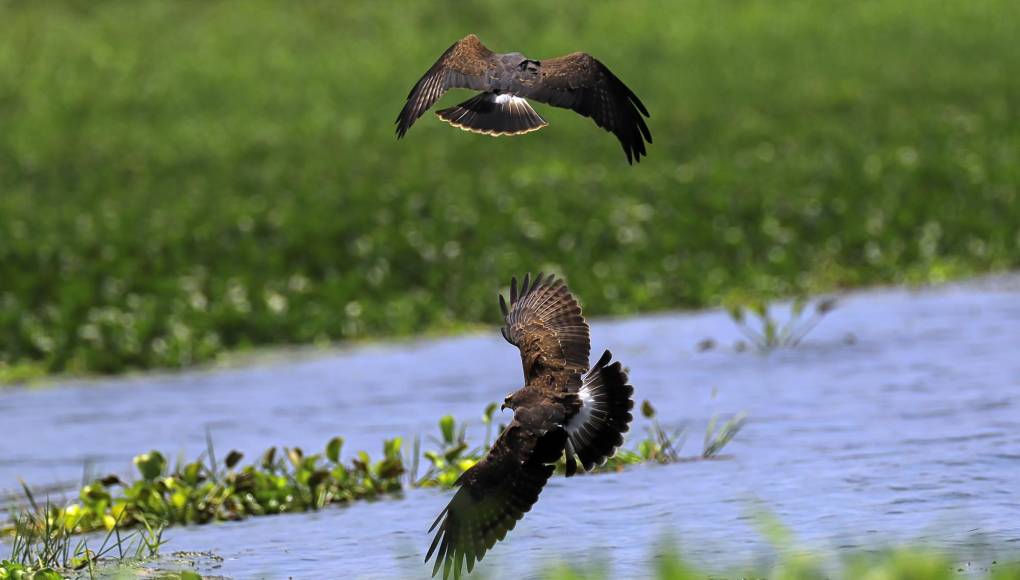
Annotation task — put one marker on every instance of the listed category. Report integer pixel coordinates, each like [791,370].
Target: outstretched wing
[464,65]
[580,82]
[493,496]
[545,323]
[596,430]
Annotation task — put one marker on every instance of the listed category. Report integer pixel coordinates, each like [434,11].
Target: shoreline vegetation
[180,181]
[214,488]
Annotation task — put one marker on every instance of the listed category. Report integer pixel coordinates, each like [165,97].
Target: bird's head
[508,403]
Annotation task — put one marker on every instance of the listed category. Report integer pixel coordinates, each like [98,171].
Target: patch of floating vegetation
[289,480]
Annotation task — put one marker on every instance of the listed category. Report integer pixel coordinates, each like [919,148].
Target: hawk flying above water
[576,81]
[564,407]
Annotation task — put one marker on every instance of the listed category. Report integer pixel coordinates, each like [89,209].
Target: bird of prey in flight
[576,81]
[564,407]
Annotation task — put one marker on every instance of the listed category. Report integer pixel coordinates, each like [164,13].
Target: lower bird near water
[577,81]
[564,407]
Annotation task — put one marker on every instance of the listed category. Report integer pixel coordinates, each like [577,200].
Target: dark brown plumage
[563,408]
[577,81]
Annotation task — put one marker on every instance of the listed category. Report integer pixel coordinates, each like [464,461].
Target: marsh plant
[757,321]
[717,438]
[44,545]
[454,455]
[205,490]
[289,480]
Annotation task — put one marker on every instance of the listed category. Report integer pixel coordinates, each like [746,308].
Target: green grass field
[182,178]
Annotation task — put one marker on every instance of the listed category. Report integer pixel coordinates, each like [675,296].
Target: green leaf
[391,447]
[309,463]
[193,472]
[150,464]
[333,449]
[446,425]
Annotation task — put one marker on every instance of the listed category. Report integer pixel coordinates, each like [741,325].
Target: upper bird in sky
[576,81]
[564,407]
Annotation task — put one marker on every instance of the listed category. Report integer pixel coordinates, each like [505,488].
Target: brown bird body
[564,408]
[576,81]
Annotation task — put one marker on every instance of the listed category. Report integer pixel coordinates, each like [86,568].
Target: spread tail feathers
[493,114]
[596,431]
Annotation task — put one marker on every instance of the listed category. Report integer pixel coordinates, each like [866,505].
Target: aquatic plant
[288,480]
[768,332]
[715,439]
[44,545]
[203,490]
[453,455]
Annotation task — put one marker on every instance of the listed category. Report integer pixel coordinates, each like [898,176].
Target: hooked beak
[502,407]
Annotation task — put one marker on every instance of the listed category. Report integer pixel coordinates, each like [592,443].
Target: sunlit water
[897,420]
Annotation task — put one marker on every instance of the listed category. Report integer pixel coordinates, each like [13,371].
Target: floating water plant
[288,480]
[768,333]
[204,491]
[453,454]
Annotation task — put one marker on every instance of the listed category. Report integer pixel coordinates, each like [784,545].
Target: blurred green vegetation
[793,562]
[893,564]
[180,178]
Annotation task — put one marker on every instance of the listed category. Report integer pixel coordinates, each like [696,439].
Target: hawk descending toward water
[576,81]
[564,407]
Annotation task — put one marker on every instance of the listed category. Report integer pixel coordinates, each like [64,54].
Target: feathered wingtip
[526,286]
[597,430]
